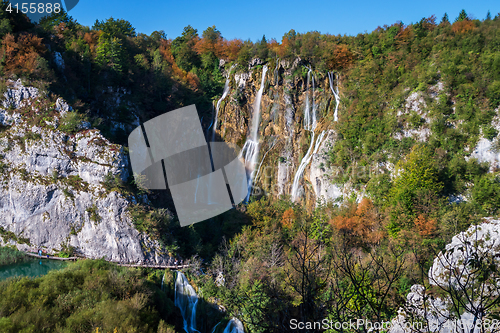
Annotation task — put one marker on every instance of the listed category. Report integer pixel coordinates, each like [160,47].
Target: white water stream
[225,92]
[250,151]
[309,125]
[186,300]
[305,161]
[331,78]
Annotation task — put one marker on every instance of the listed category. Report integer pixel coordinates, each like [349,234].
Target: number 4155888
[35,7]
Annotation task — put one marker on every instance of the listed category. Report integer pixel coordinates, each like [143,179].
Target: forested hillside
[408,156]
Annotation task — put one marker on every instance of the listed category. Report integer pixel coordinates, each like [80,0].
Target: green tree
[462,16]
[183,49]
[211,34]
[114,27]
[158,35]
[50,21]
[417,177]
[5,26]
[445,19]
[486,193]
[110,52]
[262,49]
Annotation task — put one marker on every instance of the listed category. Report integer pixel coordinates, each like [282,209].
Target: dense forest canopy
[279,260]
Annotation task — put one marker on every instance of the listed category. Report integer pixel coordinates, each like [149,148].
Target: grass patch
[11,256]
[9,235]
[94,214]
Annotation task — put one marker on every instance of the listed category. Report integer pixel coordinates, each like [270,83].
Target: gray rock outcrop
[462,268]
[320,174]
[52,194]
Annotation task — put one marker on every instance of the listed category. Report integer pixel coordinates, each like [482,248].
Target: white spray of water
[331,78]
[309,125]
[305,161]
[186,300]
[234,326]
[310,109]
[162,280]
[225,92]
[250,150]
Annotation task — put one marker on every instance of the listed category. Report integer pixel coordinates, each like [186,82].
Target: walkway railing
[45,256]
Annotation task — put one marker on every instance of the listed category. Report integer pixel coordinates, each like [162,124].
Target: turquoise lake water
[32,268]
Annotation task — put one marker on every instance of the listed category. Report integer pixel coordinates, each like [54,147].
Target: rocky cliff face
[51,190]
[284,141]
[466,272]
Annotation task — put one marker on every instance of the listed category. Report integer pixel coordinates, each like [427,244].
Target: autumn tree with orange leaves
[23,55]
[361,222]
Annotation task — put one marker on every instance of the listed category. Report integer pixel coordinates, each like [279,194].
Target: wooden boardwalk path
[152,266]
[44,256]
[114,262]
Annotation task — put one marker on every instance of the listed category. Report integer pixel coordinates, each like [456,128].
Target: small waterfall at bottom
[234,326]
[303,164]
[250,153]
[186,300]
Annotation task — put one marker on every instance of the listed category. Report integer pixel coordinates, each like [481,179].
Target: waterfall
[225,92]
[162,280]
[331,78]
[234,326]
[186,300]
[275,109]
[250,150]
[309,125]
[256,108]
[305,161]
[310,110]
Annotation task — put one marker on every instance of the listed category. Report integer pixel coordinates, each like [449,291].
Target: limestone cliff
[51,188]
[284,141]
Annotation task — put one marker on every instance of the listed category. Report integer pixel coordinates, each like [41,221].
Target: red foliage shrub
[461,27]
[22,54]
[361,221]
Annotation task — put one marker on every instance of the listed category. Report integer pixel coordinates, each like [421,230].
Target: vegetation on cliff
[277,259]
[87,296]
[10,256]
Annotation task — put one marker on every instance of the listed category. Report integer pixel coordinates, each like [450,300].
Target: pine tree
[262,48]
[462,16]
[488,16]
[445,19]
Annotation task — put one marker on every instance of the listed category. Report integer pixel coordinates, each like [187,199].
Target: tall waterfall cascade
[331,79]
[250,151]
[310,123]
[305,162]
[186,300]
[310,109]
[225,92]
